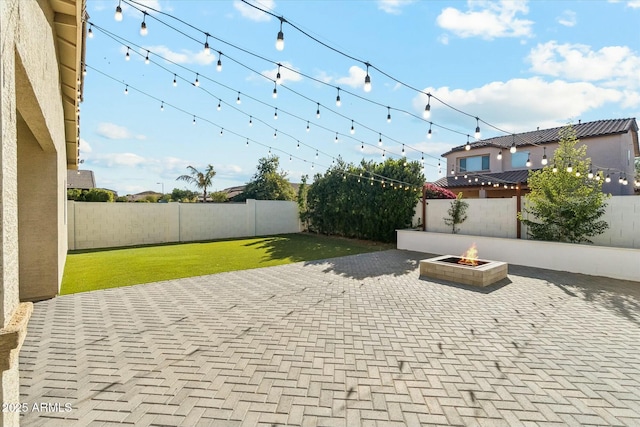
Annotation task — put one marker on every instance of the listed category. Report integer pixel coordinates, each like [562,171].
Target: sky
[507,66]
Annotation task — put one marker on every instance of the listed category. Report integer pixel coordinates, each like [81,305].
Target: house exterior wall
[33,156]
[615,152]
[103,225]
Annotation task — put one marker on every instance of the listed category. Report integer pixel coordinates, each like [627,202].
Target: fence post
[424,208]
[518,210]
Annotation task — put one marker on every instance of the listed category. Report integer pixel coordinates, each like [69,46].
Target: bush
[435,192]
[99,195]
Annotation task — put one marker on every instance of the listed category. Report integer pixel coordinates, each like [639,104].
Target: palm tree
[201,180]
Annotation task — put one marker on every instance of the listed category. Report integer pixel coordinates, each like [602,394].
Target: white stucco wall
[497,218]
[102,225]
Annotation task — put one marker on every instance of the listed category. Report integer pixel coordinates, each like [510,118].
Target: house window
[475,163]
[519,159]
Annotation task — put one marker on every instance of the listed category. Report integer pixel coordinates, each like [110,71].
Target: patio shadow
[619,296]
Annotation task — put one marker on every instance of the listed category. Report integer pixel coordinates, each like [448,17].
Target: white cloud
[393,7]
[634,4]
[119,159]
[487,19]
[285,73]
[84,146]
[568,18]
[520,104]
[615,66]
[185,56]
[444,39]
[252,13]
[355,78]
[113,131]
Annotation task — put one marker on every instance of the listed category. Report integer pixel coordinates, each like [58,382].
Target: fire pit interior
[466,269]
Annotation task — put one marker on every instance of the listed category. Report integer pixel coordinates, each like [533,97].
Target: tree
[368,201]
[184,196]
[457,213]
[565,203]
[303,209]
[219,197]
[267,183]
[201,180]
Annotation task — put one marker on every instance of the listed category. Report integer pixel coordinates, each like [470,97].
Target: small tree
[566,204]
[219,197]
[267,183]
[303,209]
[457,213]
[201,180]
[99,195]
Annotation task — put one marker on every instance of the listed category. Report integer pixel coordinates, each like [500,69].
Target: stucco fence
[492,226]
[103,225]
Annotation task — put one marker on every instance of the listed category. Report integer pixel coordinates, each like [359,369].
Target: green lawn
[111,268]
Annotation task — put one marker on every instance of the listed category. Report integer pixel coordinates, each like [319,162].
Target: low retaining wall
[618,263]
[105,225]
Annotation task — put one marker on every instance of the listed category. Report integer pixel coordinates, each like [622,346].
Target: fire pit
[466,269]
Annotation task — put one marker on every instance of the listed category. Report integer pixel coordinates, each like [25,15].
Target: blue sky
[516,65]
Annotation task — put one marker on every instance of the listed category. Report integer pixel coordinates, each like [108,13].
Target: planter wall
[618,263]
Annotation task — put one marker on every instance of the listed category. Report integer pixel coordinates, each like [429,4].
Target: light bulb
[362,147]
[275,134]
[569,168]
[380,139]
[403,152]
[175,82]
[127,57]
[280,37]
[143,26]
[318,112]
[429,133]
[308,128]
[275,115]
[499,155]
[126,90]
[146,59]
[336,140]
[544,160]
[197,82]
[207,49]
[219,105]
[118,15]
[528,164]
[608,178]
[590,174]
[162,106]
[513,148]
[353,130]
[238,101]
[90,32]
[250,121]
[367,83]
[577,174]
[275,92]
[467,146]
[278,76]
[194,120]
[427,111]
[219,64]
[338,101]
[388,115]
[555,169]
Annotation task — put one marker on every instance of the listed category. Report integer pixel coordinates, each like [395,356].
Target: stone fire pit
[449,267]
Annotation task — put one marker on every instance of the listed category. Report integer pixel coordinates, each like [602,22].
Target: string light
[308,128]
[577,174]
[162,106]
[219,105]
[336,140]
[194,120]
[513,148]
[118,15]
[367,80]
[477,133]
[427,109]
[250,121]
[275,91]
[384,152]
[499,155]
[127,57]
[467,146]
[280,37]
[353,130]
[598,175]
[569,168]
[221,131]
[238,100]
[316,154]
[338,102]
[298,146]
[275,115]
[380,139]
[362,146]
[175,81]
[429,133]
[207,49]
[544,156]
[590,174]
[528,164]
[388,114]
[555,168]
[146,59]
[403,152]
[219,64]
[197,82]
[278,76]
[126,90]
[247,142]
[607,179]
[624,180]
[318,111]
[143,26]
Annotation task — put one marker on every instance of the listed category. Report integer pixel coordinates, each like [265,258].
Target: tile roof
[510,177]
[546,136]
[82,179]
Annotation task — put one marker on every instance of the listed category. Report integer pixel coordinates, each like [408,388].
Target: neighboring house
[238,190]
[80,179]
[479,172]
[41,87]
[145,195]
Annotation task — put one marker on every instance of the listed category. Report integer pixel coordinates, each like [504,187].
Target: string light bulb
[477,133]
[275,91]
[143,26]
[90,32]
[338,102]
[126,90]
[275,134]
[219,64]
[624,180]
[352,130]
[336,140]
[318,111]
[467,146]
[367,81]
[221,131]
[275,114]
[298,146]
[388,114]
[555,168]
[569,168]
[544,156]
[162,106]
[429,133]
[118,15]
[207,49]
[528,163]
[278,76]
[590,174]
[175,81]
[513,148]
[250,121]
[247,142]
[194,120]
[197,82]
[384,152]
[427,109]
[280,37]
[146,59]
[238,100]
[607,178]
[308,128]
[219,105]
[127,57]
[499,156]
[362,146]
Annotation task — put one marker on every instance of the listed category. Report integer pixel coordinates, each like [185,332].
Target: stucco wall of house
[497,218]
[32,159]
[103,225]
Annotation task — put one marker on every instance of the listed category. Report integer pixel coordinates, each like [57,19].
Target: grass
[91,270]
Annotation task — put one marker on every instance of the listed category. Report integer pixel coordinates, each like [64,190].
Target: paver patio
[358,340]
